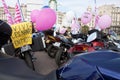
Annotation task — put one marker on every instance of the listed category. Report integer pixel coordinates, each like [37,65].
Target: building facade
[92,23]
[60,16]
[111,10]
[12,12]
[2,13]
[33,5]
[114,12]
[26,13]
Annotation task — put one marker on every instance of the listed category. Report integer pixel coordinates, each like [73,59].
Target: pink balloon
[46,19]
[62,30]
[34,14]
[86,17]
[104,21]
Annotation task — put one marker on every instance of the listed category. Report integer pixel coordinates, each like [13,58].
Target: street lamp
[53,4]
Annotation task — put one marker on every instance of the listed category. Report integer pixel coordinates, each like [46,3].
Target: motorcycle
[70,49]
[25,52]
[52,43]
[114,42]
[66,46]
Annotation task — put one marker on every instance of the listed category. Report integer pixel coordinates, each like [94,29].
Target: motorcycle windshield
[92,37]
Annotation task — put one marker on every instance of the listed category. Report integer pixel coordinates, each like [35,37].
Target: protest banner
[21,34]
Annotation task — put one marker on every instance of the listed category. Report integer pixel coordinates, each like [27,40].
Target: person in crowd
[5,32]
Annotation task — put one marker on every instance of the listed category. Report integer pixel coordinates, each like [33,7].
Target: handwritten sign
[21,34]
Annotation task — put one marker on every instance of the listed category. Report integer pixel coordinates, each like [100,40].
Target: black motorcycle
[25,52]
[62,55]
[52,43]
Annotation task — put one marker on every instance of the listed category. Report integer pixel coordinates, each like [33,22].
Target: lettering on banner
[21,34]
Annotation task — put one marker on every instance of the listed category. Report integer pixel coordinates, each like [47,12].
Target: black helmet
[5,32]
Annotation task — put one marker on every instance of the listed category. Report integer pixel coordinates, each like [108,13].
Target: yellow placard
[21,34]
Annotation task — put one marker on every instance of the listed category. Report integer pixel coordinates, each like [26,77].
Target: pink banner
[75,27]
[8,15]
[18,17]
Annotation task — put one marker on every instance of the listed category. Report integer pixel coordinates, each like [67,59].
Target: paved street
[44,64]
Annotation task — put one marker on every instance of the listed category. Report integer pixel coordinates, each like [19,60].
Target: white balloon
[57,27]
[65,23]
[70,15]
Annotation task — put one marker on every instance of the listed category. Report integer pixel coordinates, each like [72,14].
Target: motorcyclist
[5,32]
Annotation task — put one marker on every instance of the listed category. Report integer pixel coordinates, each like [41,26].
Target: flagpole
[21,10]
[96,16]
[95,7]
[95,13]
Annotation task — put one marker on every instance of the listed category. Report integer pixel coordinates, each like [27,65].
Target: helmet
[5,32]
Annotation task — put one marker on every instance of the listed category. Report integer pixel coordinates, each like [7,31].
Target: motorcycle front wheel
[52,51]
[28,59]
[61,57]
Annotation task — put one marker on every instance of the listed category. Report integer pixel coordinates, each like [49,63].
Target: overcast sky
[77,6]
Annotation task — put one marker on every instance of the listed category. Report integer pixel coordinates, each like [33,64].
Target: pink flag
[8,15]
[18,17]
[75,27]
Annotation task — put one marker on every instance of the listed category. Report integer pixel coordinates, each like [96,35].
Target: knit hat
[5,32]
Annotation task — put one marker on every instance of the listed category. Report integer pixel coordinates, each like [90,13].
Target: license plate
[56,44]
[25,48]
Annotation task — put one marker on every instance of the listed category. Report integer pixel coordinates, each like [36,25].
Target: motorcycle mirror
[114,35]
[92,37]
